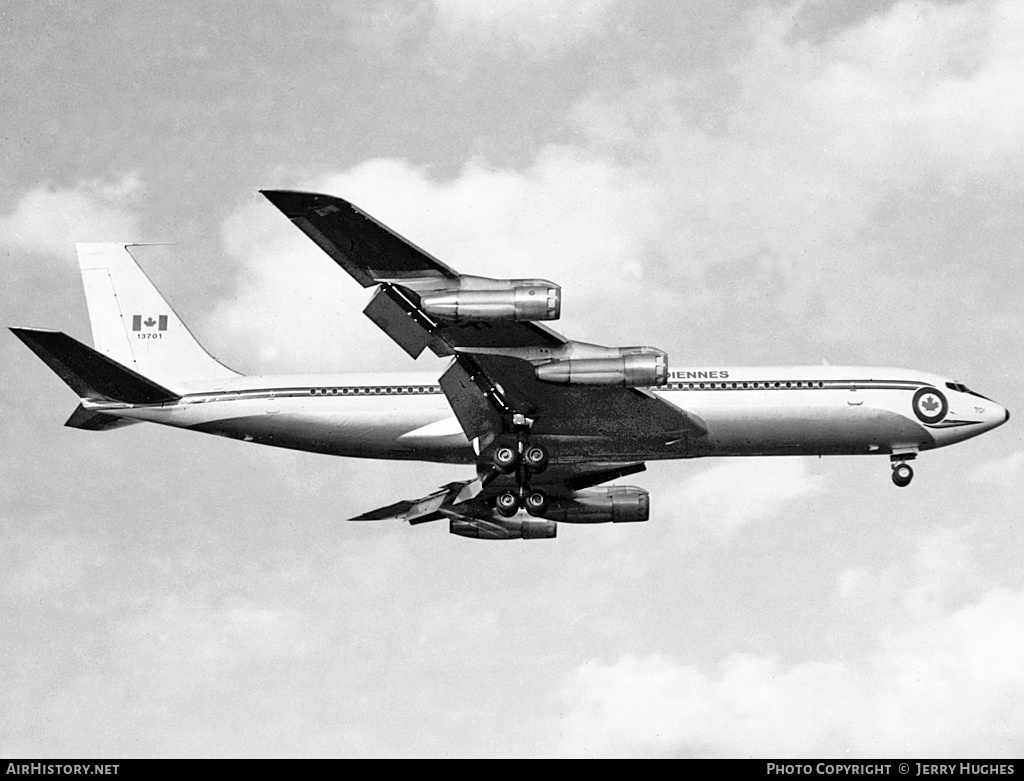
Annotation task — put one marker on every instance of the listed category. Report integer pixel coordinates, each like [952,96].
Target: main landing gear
[525,460]
[902,473]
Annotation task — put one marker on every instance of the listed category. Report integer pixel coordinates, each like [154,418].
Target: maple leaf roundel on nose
[930,405]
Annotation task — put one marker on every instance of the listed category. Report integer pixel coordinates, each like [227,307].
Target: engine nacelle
[617,504]
[495,299]
[642,368]
[503,528]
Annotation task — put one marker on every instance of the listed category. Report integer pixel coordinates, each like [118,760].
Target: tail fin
[92,375]
[134,325]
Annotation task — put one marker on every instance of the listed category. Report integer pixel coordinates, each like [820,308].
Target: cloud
[207,641]
[456,39]
[719,501]
[44,557]
[1002,472]
[568,218]
[672,211]
[943,572]
[950,687]
[539,27]
[51,220]
[293,309]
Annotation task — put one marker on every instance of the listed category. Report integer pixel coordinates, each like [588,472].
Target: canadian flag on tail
[149,322]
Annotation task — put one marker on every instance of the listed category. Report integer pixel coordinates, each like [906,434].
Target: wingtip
[27,334]
[298,202]
[363,517]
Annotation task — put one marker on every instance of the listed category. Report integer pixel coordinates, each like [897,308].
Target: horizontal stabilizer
[429,508]
[90,374]
[94,420]
[393,512]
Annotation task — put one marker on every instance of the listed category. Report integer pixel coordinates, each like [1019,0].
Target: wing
[374,254]
[592,431]
[365,248]
[475,498]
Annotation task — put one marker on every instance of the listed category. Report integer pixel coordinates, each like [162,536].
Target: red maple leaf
[930,403]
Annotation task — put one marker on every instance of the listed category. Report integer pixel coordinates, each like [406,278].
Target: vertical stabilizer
[134,325]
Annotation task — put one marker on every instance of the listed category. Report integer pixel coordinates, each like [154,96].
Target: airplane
[546,421]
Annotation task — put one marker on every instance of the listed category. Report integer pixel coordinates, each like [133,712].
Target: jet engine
[503,528]
[634,367]
[479,298]
[617,503]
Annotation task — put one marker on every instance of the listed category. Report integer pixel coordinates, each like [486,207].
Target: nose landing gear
[902,473]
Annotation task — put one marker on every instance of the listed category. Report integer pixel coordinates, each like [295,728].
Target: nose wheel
[902,473]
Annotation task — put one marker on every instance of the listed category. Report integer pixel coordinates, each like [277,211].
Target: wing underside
[475,498]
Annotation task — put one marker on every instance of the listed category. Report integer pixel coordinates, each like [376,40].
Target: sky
[733,182]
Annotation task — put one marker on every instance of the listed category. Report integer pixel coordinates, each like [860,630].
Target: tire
[902,474]
[505,458]
[507,504]
[536,503]
[536,458]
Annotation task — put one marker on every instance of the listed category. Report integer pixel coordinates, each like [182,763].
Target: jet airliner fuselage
[749,411]
[544,419]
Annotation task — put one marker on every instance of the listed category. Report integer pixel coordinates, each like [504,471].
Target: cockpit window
[961,388]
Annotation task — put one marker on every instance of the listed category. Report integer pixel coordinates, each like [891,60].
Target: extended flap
[470,403]
[392,319]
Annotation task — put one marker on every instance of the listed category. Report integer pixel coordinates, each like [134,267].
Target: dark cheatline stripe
[773,385]
[953,423]
[432,390]
[318,391]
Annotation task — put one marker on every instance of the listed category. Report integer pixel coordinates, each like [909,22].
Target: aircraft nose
[999,416]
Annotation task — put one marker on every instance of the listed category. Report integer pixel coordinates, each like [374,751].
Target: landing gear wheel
[536,458]
[902,474]
[505,458]
[536,503]
[507,504]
